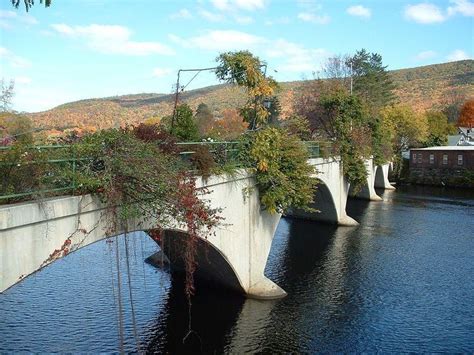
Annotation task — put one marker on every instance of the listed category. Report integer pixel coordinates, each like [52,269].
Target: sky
[97,48]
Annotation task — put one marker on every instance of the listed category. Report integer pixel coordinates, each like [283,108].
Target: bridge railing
[37,170]
[222,152]
[48,170]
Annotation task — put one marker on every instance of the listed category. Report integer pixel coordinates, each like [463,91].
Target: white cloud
[458,54]
[309,5]
[8,14]
[463,7]
[278,21]
[211,16]
[160,72]
[221,4]
[250,4]
[296,58]
[292,57]
[112,39]
[181,14]
[220,40]
[425,55]
[23,80]
[13,59]
[424,13]
[232,5]
[8,18]
[244,20]
[313,18]
[359,11]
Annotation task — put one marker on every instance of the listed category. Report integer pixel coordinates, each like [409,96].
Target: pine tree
[371,80]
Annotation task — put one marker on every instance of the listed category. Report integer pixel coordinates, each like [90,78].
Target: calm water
[401,281]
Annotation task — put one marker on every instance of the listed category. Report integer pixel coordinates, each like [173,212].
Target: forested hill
[433,86]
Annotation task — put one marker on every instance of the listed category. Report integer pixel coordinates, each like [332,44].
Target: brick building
[446,166]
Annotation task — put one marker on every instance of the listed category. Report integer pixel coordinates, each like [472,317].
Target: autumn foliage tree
[230,126]
[246,70]
[466,118]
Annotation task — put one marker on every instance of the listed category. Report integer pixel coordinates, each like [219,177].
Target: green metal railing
[222,152]
[57,166]
[17,165]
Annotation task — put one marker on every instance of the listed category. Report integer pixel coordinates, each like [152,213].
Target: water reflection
[212,314]
[399,282]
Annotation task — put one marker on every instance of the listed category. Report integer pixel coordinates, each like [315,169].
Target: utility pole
[178,88]
[175,102]
[351,77]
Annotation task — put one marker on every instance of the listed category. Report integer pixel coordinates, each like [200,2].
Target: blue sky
[96,48]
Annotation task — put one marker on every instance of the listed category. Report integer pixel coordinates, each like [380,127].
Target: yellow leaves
[262,165]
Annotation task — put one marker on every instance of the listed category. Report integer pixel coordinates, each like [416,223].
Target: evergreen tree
[371,80]
[204,119]
[185,128]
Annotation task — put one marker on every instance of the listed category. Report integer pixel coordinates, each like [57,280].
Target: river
[402,281]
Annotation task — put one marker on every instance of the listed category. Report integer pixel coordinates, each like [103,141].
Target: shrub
[282,173]
[203,161]
[157,134]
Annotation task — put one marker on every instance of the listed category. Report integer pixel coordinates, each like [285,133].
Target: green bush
[283,175]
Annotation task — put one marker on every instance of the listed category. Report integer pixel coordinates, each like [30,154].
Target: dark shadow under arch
[212,266]
[363,192]
[379,178]
[323,204]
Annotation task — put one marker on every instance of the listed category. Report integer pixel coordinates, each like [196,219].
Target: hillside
[432,86]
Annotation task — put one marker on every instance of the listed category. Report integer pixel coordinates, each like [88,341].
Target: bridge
[35,234]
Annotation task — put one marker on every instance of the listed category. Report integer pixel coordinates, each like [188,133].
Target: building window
[460,157]
[419,158]
[414,157]
[445,159]
[431,158]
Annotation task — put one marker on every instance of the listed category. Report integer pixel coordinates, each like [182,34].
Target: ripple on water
[400,282]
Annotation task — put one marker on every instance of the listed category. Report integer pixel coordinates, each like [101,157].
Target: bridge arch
[34,234]
[330,195]
[212,264]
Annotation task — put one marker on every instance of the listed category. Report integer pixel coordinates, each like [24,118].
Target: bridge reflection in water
[382,286]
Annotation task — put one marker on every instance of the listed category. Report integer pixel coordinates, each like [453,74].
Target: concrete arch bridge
[34,234]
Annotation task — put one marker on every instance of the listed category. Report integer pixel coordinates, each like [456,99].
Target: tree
[407,128]
[297,126]
[204,119]
[273,105]
[185,128]
[6,95]
[438,129]
[245,69]
[17,127]
[453,103]
[30,3]
[230,126]
[371,80]
[338,69]
[154,120]
[308,104]
[466,117]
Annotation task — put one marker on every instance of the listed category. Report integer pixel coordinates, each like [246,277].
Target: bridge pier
[330,196]
[381,177]
[236,254]
[367,192]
